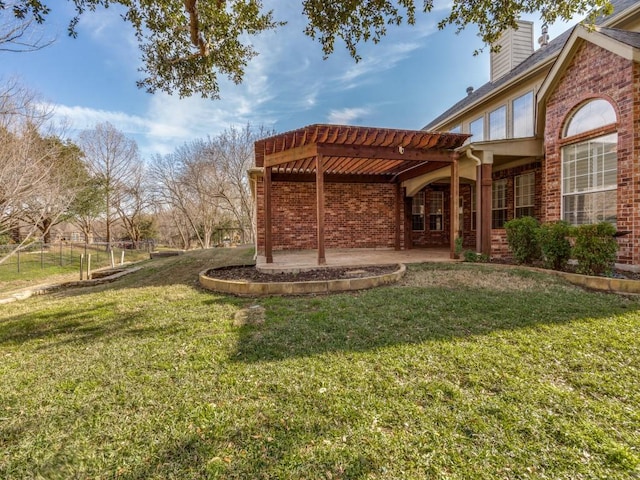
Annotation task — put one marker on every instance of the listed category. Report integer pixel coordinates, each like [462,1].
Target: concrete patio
[300,260]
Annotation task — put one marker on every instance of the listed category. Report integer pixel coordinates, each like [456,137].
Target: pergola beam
[356,151]
[291,155]
[385,153]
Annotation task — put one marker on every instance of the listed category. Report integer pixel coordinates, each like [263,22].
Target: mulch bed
[251,274]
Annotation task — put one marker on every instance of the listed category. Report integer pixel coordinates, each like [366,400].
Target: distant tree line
[99,184]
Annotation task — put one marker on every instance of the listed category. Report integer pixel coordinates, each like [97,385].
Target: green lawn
[461,372]
[58,263]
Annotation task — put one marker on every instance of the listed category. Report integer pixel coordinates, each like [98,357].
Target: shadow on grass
[61,327]
[214,454]
[397,315]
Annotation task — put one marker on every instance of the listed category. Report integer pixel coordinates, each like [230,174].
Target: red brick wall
[434,238]
[499,246]
[440,238]
[597,73]
[357,215]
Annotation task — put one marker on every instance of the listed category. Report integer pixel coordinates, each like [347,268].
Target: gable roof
[620,42]
[541,57]
[631,39]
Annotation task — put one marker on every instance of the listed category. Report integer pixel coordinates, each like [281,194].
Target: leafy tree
[67,172]
[186,43]
[88,206]
[18,32]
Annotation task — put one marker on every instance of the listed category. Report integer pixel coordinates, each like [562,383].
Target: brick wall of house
[499,246]
[597,73]
[357,215]
[440,238]
[428,237]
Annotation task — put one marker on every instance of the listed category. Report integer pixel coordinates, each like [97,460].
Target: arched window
[594,114]
[590,166]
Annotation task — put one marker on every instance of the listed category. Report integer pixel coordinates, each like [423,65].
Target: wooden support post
[320,208]
[478,193]
[81,266]
[268,244]
[454,221]
[485,206]
[89,267]
[399,219]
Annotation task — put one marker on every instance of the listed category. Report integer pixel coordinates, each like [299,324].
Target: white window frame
[436,199]
[474,212]
[595,187]
[531,116]
[503,134]
[419,212]
[502,185]
[519,196]
[481,138]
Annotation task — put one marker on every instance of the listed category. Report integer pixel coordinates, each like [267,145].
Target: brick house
[555,134]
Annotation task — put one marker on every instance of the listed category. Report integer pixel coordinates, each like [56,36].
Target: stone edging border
[603,284]
[44,289]
[251,289]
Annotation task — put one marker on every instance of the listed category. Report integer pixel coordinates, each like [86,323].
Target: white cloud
[386,58]
[348,116]
[81,118]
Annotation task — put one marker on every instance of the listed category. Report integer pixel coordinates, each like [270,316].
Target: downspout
[471,156]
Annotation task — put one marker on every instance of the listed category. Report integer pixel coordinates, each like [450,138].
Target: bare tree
[187,181]
[171,196]
[34,181]
[112,159]
[233,150]
[132,202]
[204,184]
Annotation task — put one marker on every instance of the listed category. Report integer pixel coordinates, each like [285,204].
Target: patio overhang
[342,153]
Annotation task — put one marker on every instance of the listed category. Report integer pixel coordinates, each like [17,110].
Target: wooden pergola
[340,153]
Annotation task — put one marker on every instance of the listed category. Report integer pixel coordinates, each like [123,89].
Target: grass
[460,372]
[57,264]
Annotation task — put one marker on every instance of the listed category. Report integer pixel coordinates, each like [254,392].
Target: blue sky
[403,82]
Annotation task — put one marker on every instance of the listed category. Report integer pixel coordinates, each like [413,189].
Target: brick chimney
[515,46]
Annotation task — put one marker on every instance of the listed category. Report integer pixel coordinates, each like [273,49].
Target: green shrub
[554,244]
[473,257]
[522,237]
[458,246]
[595,248]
